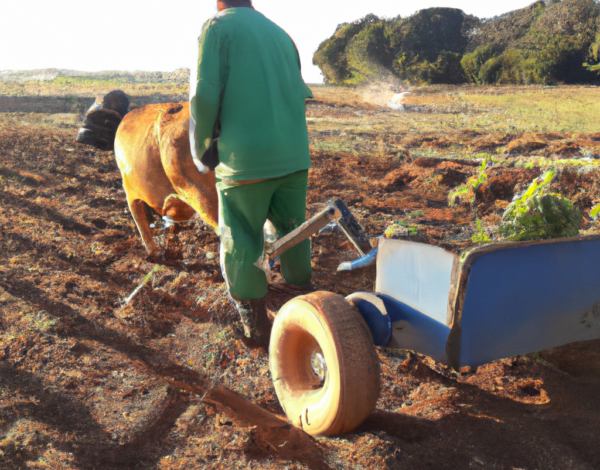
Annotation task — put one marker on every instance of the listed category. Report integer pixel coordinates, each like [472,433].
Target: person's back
[262,115]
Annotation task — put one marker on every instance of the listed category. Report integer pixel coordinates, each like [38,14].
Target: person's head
[224,4]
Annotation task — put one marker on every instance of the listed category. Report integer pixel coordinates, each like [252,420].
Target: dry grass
[453,121]
[439,120]
[61,120]
[76,87]
[513,109]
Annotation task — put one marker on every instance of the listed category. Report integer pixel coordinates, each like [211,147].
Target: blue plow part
[367,260]
[375,315]
[504,299]
[516,298]
[397,325]
[414,330]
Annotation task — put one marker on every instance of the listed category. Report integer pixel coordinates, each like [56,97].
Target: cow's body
[153,153]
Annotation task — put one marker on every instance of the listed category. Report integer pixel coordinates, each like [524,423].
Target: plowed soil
[91,378]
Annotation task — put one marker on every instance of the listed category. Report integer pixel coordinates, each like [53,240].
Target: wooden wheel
[324,365]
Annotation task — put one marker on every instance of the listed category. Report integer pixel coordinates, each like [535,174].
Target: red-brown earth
[90,381]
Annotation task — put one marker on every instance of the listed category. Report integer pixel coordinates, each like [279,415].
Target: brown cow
[152,148]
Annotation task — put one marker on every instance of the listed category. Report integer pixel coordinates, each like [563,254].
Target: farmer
[250,91]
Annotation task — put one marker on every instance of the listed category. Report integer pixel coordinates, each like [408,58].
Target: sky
[155,35]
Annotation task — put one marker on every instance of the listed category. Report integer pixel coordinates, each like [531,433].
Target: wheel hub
[319,366]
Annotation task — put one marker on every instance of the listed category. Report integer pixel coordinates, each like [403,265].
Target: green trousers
[243,210]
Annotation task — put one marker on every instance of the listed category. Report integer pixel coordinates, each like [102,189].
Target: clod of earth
[525,145]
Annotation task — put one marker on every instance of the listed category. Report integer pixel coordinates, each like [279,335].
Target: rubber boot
[257,327]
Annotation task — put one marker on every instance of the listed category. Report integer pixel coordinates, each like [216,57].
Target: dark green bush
[331,55]
[592,64]
[424,48]
[368,53]
[445,69]
[543,43]
[472,62]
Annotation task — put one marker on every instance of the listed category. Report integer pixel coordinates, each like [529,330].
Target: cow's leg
[138,211]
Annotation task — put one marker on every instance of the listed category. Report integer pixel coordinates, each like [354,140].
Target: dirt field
[91,381]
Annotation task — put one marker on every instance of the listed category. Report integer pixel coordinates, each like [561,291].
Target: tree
[557,40]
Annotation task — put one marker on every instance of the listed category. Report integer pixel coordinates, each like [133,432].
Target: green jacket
[249,67]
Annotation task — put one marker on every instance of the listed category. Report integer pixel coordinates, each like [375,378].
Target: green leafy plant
[482,176]
[466,192]
[538,214]
[595,212]
[480,236]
